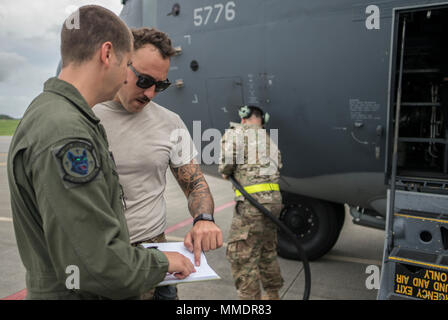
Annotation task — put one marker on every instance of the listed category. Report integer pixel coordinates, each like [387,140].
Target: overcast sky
[29,47]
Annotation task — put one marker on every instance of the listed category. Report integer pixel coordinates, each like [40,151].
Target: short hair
[255,112]
[160,40]
[96,25]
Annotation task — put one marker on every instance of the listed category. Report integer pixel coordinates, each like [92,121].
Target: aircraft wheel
[316,224]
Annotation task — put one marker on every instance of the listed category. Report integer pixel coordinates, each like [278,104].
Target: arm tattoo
[196,189]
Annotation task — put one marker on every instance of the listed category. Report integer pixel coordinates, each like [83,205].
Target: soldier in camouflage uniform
[249,154]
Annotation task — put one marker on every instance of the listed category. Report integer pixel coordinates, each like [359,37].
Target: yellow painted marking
[421,218]
[419,262]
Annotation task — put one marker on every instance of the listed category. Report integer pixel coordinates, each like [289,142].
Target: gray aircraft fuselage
[321,69]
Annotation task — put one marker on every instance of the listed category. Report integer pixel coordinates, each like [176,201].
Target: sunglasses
[145,81]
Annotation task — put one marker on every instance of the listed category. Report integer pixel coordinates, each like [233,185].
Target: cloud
[42,18]
[22,86]
[9,62]
[29,54]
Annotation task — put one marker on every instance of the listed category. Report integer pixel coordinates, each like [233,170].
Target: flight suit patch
[78,162]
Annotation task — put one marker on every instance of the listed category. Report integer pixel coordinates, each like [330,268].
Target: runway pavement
[341,274]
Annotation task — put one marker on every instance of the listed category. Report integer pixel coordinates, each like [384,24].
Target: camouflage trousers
[252,251]
[159,293]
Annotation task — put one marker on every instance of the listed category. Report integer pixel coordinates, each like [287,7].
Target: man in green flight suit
[66,200]
[248,153]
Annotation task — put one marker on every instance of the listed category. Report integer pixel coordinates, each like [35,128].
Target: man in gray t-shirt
[146,139]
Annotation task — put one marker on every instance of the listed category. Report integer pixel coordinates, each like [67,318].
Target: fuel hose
[283,228]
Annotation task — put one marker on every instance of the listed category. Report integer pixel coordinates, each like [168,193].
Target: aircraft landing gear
[317,224]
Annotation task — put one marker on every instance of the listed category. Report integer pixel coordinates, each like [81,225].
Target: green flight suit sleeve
[84,227]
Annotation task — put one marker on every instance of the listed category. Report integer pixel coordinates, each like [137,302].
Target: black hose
[285,230]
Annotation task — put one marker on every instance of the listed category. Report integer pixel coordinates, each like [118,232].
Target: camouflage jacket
[251,155]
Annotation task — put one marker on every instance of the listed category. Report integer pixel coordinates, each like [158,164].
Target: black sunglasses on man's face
[145,81]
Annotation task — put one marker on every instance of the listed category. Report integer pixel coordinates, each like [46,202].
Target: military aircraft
[326,72]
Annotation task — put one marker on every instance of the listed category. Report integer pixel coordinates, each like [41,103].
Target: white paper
[203,272]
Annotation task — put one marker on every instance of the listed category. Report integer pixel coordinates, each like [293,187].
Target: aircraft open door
[415,263]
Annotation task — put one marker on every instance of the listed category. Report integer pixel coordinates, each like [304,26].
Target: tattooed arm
[193,184]
[205,235]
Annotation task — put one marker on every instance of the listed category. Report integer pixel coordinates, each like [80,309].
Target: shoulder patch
[78,161]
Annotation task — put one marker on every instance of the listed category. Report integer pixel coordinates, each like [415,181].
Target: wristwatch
[203,216]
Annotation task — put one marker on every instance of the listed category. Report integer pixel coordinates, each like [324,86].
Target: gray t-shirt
[144,145]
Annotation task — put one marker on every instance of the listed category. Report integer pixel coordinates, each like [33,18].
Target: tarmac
[339,275]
